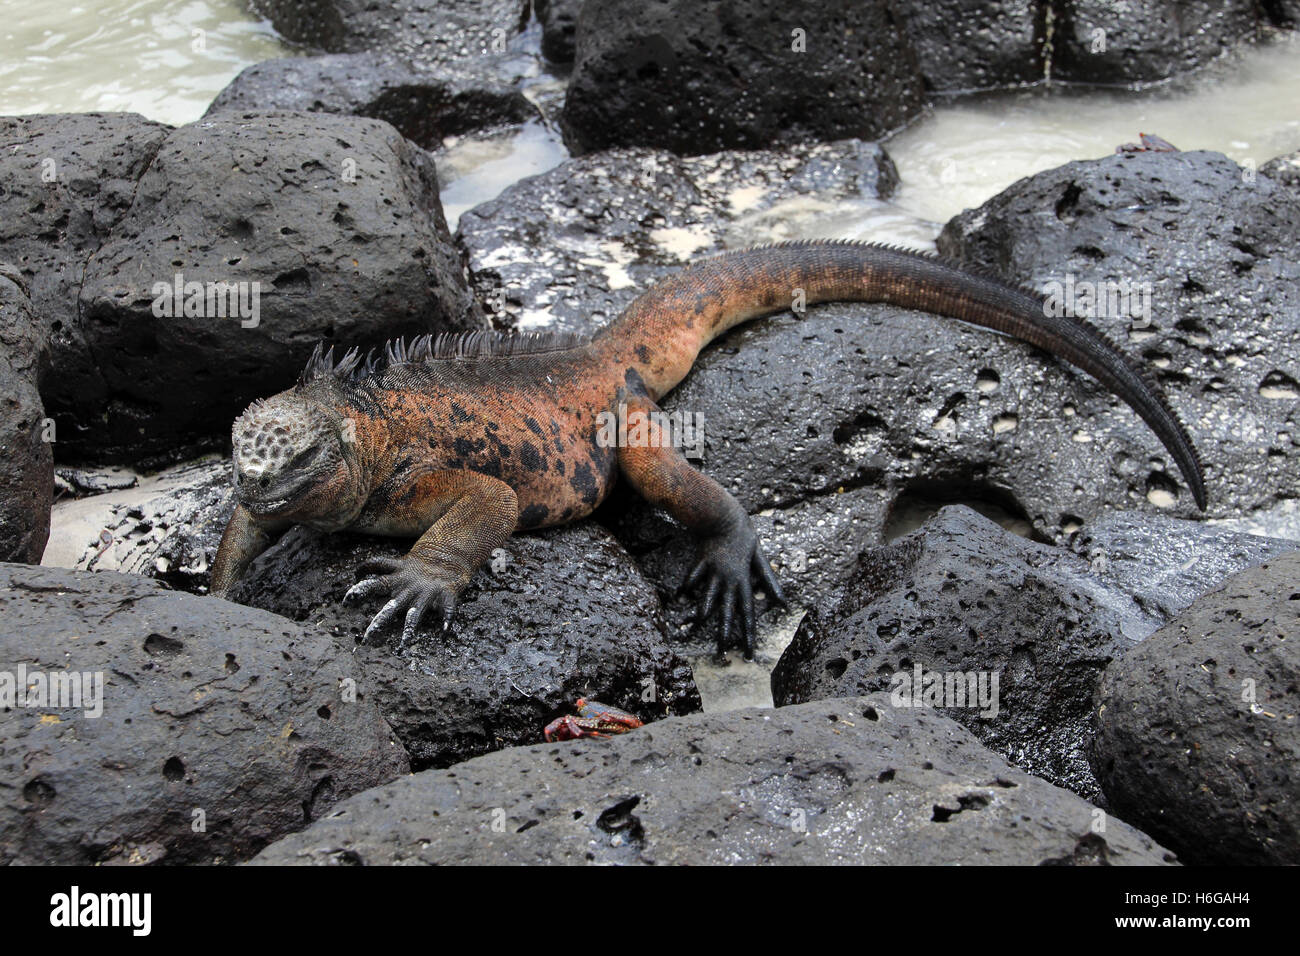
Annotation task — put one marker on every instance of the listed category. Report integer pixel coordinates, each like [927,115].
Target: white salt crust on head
[270,434]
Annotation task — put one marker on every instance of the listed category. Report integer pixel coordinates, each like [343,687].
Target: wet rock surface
[212,714]
[68,180]
[960,595]
[335,218]
[1198,728]
[569,249]
[698,76]
[1096,41]
[1216,249]
[424,105]
[554,616]
[1284,169]
[967,45]
[414,30]
[846,781]
[559,19]
[26,461]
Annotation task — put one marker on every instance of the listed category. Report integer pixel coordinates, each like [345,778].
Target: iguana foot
[411,586]
[727,559]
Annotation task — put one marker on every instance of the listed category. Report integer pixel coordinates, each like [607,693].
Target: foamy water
[165,59]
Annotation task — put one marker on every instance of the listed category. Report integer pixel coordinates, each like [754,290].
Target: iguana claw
[413,588]
[728,559]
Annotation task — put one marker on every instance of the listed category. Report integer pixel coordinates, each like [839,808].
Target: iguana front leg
[467,516]
[243,540]
[729,550]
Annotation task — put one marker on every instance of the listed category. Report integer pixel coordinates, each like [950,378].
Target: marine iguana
[462,440]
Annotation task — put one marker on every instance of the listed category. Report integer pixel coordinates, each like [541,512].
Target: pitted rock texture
[968,45]
[1198,728]
[559,19]
[1284,169]
[1142,41]
[212,714]
[852,781]
[413,30]
[553,616]
[424,105]
[1217,250]
[698,76]
[569,249]
[26,460]
[335,218]
[68,179]
[960,595]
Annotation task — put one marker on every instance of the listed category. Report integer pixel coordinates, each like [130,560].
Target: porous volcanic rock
[68,180]
[968,45]
[1216,250]
[414,30]
[335,218]
[962,595]
[221,727]
[570,248]
[1198,728]
[424,105]
[552,617]
[26,460]
[847,781]
[1143,41]
[698,76]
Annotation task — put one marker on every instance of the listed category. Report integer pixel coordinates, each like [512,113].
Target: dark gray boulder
[853,781]
[570,248]
[1284,169]
[552,617]
[1097,41]
[968,45]
[698,76]
[1166,563]
[559,19]
[68,179]
[1218,253]
[424,105]
[1198,738]
[220,729]
[962,595]
[337,221]
[26,460]
[414,30]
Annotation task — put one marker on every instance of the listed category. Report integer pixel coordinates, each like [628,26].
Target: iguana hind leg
[467,516]
[729,550]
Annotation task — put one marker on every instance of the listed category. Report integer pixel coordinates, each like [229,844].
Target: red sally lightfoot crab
[594,720]
[1151,143]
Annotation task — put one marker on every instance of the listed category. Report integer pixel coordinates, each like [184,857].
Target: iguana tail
[662,332]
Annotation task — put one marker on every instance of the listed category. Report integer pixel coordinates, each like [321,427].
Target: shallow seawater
[1247,107]
[164,59]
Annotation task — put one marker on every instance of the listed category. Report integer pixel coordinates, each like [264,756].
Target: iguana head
[295,459]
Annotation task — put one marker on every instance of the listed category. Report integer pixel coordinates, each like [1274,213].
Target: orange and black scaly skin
[459,443]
